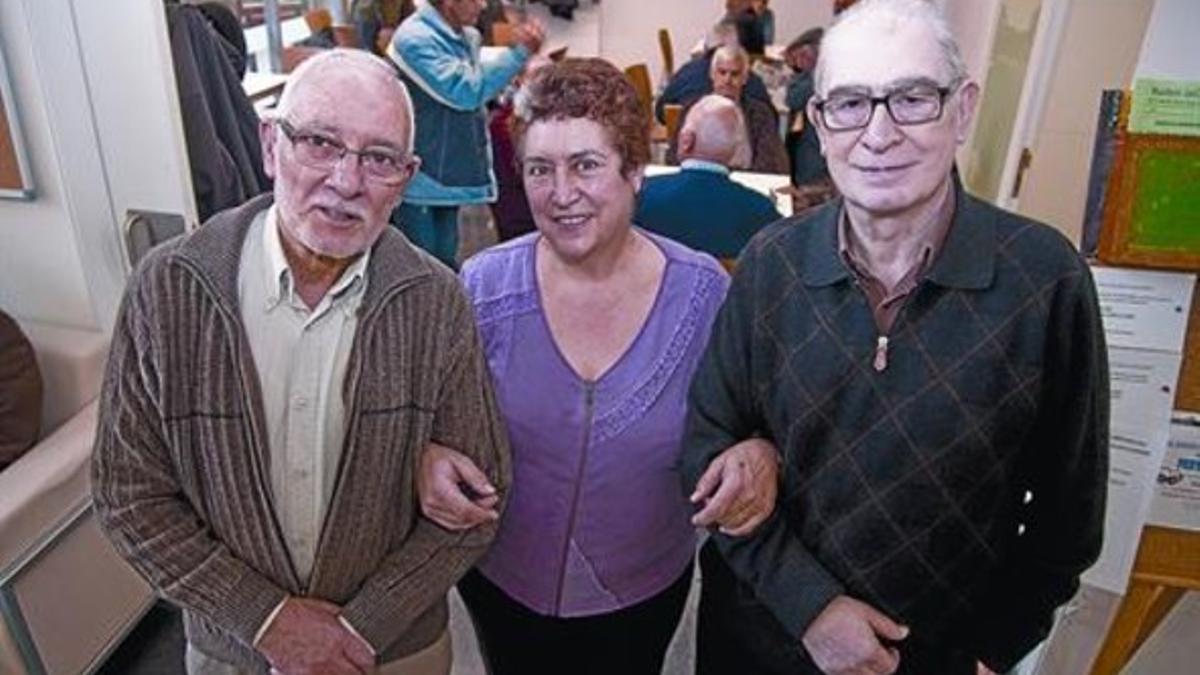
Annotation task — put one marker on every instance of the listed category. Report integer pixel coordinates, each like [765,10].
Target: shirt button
[300,403]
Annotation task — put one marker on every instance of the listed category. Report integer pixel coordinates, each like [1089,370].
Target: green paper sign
[1165,107]
[1167,203]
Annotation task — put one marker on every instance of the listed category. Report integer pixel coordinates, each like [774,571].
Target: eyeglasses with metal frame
[319,151]
[919,104]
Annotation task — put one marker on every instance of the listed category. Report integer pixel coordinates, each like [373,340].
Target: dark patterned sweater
[907,488]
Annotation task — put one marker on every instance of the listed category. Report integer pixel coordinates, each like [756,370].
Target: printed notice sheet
[1145,319]
[1177,493]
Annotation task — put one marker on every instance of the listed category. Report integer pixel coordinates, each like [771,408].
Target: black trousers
[518,641]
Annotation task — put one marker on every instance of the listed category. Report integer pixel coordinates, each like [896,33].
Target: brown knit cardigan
[181,469]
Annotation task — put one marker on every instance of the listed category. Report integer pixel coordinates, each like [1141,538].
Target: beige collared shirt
[301,358]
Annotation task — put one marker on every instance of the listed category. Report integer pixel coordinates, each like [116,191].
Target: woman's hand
[454,493]
[738,489]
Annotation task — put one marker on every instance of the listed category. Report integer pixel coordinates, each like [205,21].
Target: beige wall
[629,28]
[41,271]
[1099,50]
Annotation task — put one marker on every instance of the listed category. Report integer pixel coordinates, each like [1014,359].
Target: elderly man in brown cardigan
[274,376]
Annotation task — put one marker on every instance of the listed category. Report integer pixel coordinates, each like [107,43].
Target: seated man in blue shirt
[694,80]
[700,206]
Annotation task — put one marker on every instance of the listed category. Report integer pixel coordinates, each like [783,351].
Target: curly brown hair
[591,89]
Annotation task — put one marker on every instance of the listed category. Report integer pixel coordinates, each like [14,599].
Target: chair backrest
[318,19]
[639,76]
[673,116]
[668,52]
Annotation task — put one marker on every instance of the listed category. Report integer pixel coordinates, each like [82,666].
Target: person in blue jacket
[437,51]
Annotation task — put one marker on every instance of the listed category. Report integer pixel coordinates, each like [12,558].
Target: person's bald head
[715,131]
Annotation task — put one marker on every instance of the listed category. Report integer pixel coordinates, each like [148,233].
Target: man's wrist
[354,631]
[266,624]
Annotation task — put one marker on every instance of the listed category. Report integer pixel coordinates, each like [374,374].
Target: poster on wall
[1176,501]
[15,180]
[1145,317]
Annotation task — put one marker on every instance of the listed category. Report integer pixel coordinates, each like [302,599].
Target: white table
[263,85]
[293,30]
[765,183]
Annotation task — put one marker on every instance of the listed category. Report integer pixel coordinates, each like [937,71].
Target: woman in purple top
[592,330]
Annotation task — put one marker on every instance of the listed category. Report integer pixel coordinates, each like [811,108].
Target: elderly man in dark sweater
[274,376]
[933,371]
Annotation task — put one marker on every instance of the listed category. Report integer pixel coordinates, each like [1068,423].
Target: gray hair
[342,58]
[724,33]
[731,52]
[897,11]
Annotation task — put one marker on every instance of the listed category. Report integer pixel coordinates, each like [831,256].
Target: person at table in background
[563,9]
[694,79]
[766,19]
[749,29]
[700,206]
[372,16]
[437,50]
[934,373]
[592,328]
[810,176]
[729,72]
[274,377]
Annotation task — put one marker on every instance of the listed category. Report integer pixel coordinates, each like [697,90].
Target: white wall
[1098,51]
[629,28]
[96,94]
[41,272]
[1172,45]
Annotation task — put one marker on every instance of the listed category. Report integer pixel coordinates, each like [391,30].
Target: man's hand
[306,638]
[454,493]
[981,669]
[738,488]
[530,33]
[845,639]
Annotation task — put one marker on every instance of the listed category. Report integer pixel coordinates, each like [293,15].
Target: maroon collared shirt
[886,302]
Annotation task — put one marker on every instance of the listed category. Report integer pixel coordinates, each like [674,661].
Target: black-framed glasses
[912,105]
[321,151]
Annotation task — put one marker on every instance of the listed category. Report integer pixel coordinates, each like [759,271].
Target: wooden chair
[318,19]
[673,116]
[668,52]
[639,75]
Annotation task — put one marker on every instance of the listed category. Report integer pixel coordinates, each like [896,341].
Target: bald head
[715,131]
[338,77]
